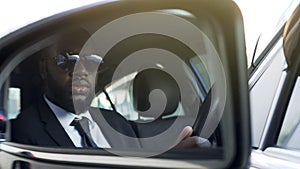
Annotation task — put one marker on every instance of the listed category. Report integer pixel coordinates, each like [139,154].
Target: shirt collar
[65,117]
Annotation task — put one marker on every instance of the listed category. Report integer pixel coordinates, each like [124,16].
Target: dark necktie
[82,126]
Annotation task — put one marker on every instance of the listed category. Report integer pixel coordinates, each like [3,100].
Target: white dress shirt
[65,119]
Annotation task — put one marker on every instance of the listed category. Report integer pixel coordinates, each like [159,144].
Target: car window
[262,97]
[279,144]
[118,94]
[290,130]
[14,102]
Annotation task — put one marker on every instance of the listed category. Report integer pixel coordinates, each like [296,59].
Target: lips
[80,87]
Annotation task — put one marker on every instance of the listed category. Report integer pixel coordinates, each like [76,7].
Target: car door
[200,44]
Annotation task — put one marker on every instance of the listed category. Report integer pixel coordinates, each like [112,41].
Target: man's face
[70,80]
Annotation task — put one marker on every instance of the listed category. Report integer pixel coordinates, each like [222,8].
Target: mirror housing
[220,23]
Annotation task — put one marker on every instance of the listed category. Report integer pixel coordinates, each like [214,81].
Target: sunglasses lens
[68,61]
[94,58]
[73,58]
[61,60]
[93,62]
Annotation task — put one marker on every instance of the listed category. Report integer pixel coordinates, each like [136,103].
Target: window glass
[202,74]
[290,131]
[263,88]
[10,102]
[14,102]
[119,95]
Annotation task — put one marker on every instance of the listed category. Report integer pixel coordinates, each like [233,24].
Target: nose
[80,69]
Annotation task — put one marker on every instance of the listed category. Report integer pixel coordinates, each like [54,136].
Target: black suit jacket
[39,126]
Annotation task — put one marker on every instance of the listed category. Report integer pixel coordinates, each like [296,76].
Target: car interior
[154,80]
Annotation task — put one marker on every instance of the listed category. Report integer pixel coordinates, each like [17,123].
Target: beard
[82,94]
[82,102]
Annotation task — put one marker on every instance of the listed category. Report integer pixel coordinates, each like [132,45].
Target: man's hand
[186,140]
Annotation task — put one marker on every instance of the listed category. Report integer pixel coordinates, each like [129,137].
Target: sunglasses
[67,61]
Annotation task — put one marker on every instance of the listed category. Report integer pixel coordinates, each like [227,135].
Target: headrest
[291,37]
[150,79]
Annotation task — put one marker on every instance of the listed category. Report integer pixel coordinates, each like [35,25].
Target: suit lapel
[108,124]
[53,127]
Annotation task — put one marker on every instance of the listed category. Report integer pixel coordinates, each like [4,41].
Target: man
[49,122]
[63,116]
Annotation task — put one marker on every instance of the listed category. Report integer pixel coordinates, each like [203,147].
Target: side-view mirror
[196,53]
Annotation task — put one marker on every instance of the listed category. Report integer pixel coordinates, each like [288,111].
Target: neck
[68,106]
